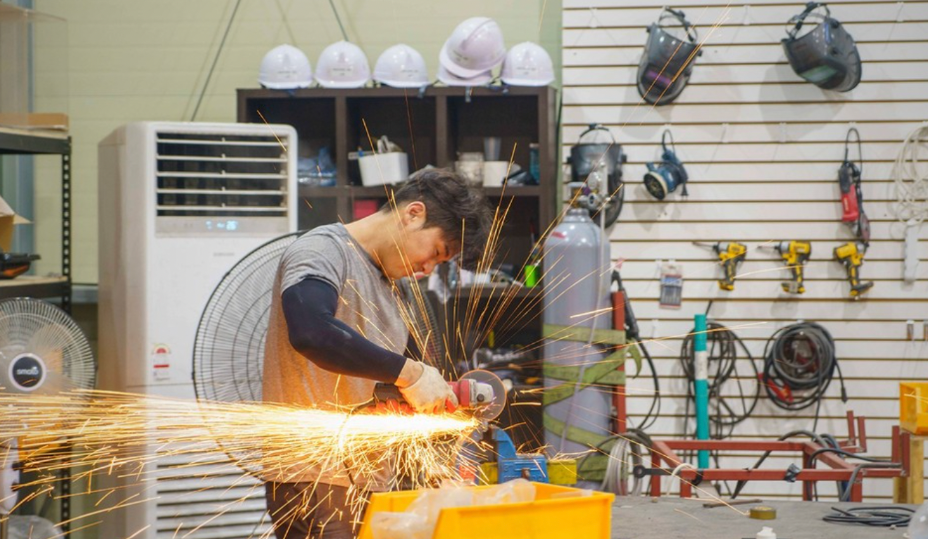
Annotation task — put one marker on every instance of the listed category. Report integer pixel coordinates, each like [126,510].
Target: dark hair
[460,211]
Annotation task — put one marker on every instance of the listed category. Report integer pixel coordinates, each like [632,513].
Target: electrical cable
[910,184]
[723,363]
[883,516]
[615,478]
[815,437]
[212,68]
[799,365]
[633,337]
[339,21]
[654,411]
[845,495]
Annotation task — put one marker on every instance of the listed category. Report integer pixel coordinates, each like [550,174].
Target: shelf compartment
[34,286]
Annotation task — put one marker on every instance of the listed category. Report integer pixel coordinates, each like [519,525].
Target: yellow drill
[795,253]
[851,255]
[731,255]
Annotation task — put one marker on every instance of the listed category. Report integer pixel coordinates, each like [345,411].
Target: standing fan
[42,352]
[228,355]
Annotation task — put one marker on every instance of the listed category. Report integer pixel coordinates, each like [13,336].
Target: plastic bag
[400,526]
[515,491]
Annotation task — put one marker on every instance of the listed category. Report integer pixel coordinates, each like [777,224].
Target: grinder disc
[492,410]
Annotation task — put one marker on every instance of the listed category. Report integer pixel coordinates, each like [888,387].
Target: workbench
[672,517]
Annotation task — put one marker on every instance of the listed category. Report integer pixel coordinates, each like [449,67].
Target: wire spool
[727,408]
[799,365]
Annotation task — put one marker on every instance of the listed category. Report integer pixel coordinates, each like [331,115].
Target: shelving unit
[432,126]
[28,142]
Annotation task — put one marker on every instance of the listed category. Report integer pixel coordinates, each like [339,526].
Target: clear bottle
[918,526]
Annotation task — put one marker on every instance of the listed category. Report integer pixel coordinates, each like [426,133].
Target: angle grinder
[479,392]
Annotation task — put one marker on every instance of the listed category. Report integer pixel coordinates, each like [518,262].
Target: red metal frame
[664,451]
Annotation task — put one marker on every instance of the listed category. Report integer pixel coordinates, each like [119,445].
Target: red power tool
[479,392]
[852,199]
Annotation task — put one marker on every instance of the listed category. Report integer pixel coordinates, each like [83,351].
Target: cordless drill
[795,253]
[731,255]
[851,255]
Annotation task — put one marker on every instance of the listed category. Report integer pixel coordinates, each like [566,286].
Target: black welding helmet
[667,62]
[826,55]
[597,164]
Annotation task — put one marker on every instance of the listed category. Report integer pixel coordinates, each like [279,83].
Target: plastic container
[913,406]
[383,168]
[557,512]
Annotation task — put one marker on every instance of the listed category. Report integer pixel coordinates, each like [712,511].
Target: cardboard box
[8,220]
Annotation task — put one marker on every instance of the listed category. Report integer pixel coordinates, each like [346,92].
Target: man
[335,328]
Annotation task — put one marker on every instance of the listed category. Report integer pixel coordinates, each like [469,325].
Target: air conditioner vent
[208,497]
[203,175]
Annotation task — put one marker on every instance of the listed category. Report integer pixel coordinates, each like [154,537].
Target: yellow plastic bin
[548,517]
[913,407]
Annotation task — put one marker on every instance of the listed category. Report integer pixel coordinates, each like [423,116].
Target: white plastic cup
[495,173]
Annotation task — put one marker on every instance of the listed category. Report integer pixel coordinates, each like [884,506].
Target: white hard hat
[401,66]
[342,65]
[451,79]
[527,64]
[285,68]
[475,46]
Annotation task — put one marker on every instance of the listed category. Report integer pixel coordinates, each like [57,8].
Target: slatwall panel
[762,148]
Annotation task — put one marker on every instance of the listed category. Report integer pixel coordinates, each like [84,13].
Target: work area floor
[670,517]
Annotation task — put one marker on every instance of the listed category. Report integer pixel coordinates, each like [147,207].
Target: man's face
[420,248]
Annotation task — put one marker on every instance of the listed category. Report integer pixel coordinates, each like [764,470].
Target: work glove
[430,393]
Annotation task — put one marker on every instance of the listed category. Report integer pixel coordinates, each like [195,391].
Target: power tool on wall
[731,255]
[851,254]
[795,254]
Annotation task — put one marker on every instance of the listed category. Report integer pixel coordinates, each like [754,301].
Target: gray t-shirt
[367,304]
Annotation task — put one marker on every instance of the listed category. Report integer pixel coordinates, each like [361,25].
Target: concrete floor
[675,518]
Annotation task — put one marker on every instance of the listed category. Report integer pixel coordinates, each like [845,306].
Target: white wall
[769,174]
[133,60]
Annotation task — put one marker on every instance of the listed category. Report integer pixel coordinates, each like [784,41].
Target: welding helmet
[401,66]
[450,79]
[527,64]
[342,65]
[664,177]
[475,46]
[285,68]
[597,165]
[826,56]
[667,62]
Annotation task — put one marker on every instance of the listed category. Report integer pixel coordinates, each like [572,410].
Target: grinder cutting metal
[480,393]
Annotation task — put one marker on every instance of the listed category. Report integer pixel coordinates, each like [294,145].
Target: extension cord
[910,262]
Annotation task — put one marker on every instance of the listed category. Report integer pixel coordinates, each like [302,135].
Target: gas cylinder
[576,284]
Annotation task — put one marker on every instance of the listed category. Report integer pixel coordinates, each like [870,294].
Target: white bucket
[383,168]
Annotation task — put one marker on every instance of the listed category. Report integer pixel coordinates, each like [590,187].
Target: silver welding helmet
[667,61]
[826,56]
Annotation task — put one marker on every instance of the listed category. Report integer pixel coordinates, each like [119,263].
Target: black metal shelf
[30,142]
[34,286]
[14,141]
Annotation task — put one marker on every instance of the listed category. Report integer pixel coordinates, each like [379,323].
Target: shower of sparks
[125,435]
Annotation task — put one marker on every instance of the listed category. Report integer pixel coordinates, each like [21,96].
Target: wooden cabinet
[432,127]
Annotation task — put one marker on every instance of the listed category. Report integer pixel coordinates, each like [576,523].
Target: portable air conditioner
[179,205]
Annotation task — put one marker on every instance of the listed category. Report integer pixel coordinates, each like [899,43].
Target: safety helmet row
[342,65]
[468,57]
